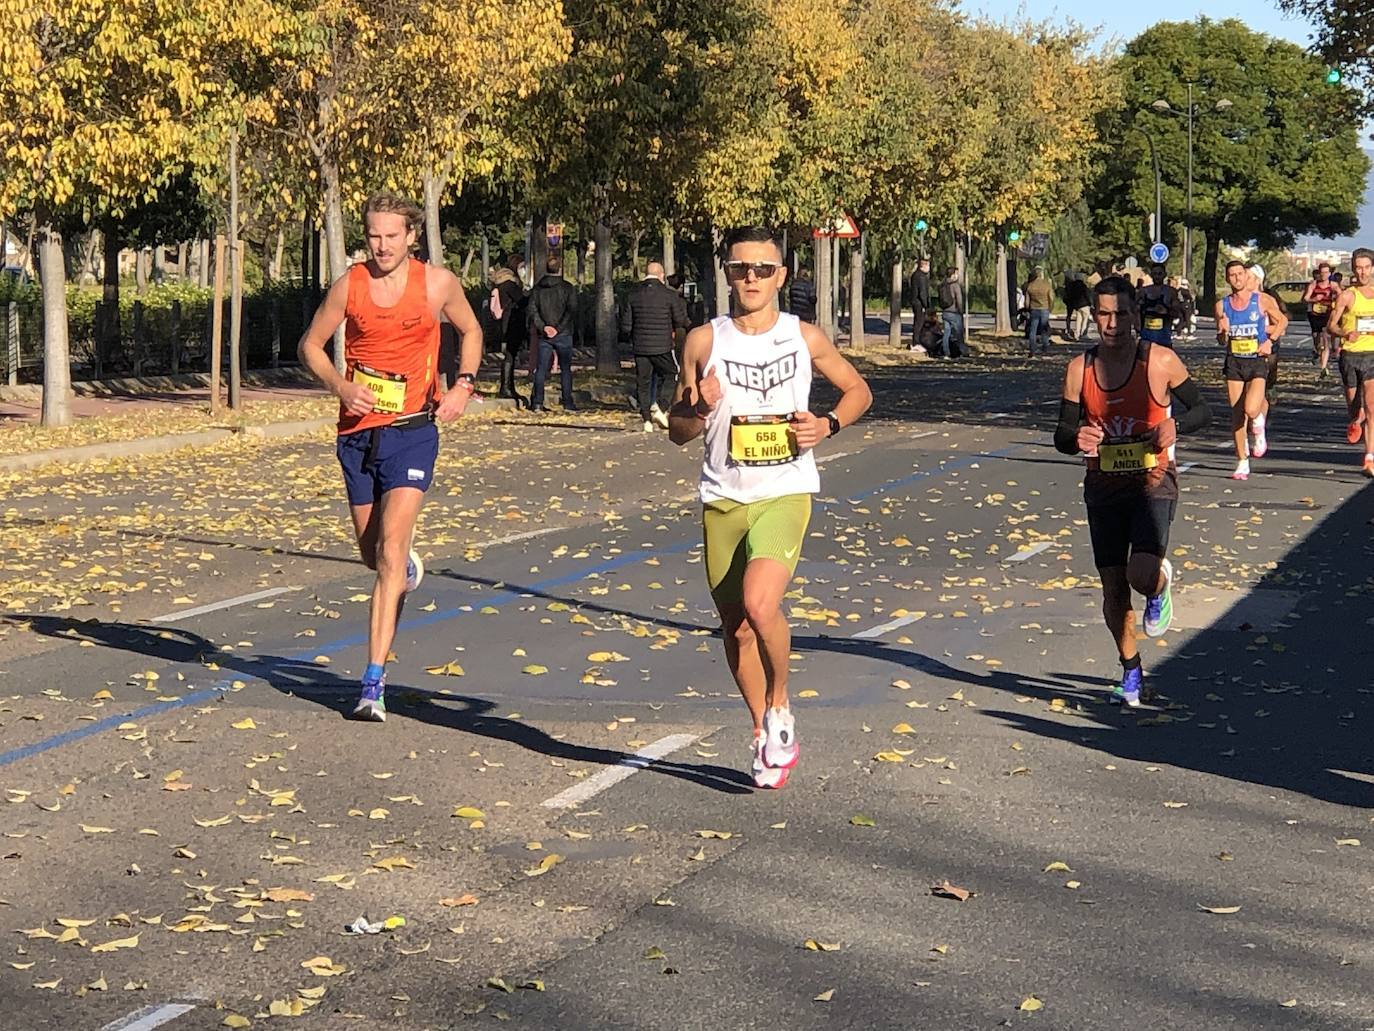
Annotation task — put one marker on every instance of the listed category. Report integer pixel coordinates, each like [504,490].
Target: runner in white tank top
[746,384]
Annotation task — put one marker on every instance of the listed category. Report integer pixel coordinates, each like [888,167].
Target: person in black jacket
[920,299]
[505,327]
[553,313]
[801,296]
[652,315]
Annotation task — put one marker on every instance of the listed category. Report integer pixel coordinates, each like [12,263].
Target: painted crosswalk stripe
[886,628]
[150,1017]
[227,603]
[1030,552]
[612,775]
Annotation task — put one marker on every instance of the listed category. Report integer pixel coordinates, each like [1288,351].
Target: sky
[1127,21]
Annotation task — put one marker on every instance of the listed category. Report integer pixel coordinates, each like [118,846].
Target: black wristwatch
[834,421]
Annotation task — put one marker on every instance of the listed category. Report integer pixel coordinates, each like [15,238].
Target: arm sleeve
[1066,433]
[1195,414]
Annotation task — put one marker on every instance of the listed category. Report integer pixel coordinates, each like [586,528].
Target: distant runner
[1353,320]
[1160,307]
[1123,405]
[746,383]
[388,403]
[1319,297]
[1248,325]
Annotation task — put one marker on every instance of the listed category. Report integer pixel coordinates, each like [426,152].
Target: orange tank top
[1126,464]
[394,350]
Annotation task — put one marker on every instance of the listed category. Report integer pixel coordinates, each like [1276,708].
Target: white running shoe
[1259,442]
[658,417]
[780,748]
[415,571]
[1242,470]
[648,426]
[764,775]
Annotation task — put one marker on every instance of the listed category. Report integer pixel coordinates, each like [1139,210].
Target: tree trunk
[1002,327]
[1211,259]
[581,256]
[636,238]
[894,306]
[235,282]
[856,293]
[434,184]
[669,249]
[722,290]
[217,326]
[57,372]
[279,256]
[467,264]
[486,258]
[307,305]
[203,265]
[607,359]
[141,271]
[836,274]
[159,263]
[334,240]
[183,260]
[107,324]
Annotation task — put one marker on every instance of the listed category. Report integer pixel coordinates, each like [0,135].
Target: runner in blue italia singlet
[745,384]
[1249,324]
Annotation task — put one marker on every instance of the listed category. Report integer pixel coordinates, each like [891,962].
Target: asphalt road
[187,797]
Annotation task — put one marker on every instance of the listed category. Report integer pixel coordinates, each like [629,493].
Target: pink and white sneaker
[764,775]
[1242,470]
[780,748]
[1259,441]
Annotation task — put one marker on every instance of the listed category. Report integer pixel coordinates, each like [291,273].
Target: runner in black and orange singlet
[389,400]
[1124,403]
[1320,296]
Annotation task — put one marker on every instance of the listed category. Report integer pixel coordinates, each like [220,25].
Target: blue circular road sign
[1159,253]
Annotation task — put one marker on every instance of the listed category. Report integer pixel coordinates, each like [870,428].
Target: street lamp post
[1163,107]
[1159,206]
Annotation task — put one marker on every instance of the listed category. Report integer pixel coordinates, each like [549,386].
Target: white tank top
[764,378]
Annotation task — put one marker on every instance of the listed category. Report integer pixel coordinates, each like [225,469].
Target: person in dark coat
[504,320]
[801,297]
[920,299]
[553,314]
[652,315]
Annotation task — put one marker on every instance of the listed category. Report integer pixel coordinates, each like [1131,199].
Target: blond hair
[385,202]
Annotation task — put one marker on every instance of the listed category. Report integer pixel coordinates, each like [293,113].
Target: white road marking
[999,415]
[612,775]
[150,1017]
[927,433]
[883,628]
[1030,552]
[227,603]
[527,535]
[1186,466]
[831,458]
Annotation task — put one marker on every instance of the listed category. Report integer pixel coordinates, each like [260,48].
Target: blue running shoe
[372,702]
[1132,680]
[1159,610]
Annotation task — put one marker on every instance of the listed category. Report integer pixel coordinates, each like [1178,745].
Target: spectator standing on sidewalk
[553,311]
[801,296]
[653,314]
[504,323]
[1078,305]
[1039,300]
[952,315]
[920,299]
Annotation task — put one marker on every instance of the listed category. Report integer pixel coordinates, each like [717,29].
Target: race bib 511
[1126,456]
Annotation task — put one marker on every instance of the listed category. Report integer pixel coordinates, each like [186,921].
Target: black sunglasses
[761,269]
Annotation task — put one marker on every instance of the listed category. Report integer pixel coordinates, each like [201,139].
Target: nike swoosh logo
[791,553]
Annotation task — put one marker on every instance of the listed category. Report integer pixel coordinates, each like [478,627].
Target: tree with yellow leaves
[100,102]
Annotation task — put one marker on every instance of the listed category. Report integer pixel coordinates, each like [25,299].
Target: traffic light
[1333,76]
[922,225]
[1014,235]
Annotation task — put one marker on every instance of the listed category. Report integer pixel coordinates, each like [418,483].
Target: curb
[175,441]
[136,386]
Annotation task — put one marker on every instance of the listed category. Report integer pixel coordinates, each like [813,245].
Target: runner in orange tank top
[1123,405]
[389,400]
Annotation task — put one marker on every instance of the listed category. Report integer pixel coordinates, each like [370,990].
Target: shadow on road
[305,679]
